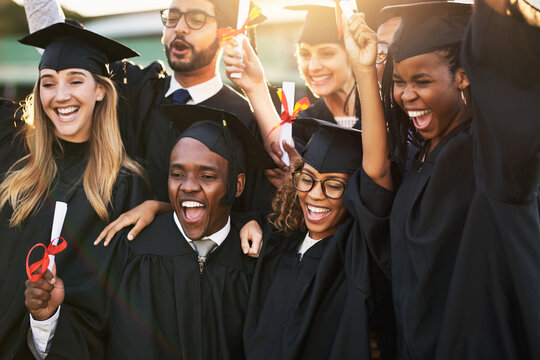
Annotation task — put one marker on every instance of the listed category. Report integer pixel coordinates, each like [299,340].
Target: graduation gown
[465,225]
[168,309]
[83,267]
[149,136]
[493,309]
[322,306]
[320,111]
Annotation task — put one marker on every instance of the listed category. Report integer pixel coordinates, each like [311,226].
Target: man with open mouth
[185,286]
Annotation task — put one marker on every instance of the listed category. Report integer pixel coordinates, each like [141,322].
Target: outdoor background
[137,24]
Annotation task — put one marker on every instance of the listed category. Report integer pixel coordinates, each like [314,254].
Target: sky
[105,7]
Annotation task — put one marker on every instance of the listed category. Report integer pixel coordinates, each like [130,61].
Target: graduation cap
[227,13]
[223,133]
[428,26]
[68,46]
[332,148]
[320,25]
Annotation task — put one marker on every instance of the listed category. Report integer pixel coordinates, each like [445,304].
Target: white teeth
[320,78]
[192,204]
[317,209]
[418,113]
[67,110]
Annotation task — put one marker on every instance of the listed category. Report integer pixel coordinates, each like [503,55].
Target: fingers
[111,229]
[291,150]
[141,224]
[38,293]
[276,154]
[251,238]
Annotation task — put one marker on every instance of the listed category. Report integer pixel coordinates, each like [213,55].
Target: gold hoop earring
[463,98]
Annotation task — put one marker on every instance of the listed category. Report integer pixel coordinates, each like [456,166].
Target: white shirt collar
[217,237]
[306,244]
[199,92]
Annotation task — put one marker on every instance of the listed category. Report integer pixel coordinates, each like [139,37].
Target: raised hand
[251,236]
[249,66]
[43,297]
[360,41]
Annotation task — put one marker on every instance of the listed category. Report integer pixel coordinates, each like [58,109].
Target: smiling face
[197,183]
[429,93]
[68,98]
[325,67]
[190,50]
[322,215]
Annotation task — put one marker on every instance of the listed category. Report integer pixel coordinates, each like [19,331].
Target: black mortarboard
[224,134]
[67,46]
[227,13]
[332,148]
[428,26]
[320,25]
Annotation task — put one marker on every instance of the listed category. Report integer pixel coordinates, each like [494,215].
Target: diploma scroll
[60,211]
[243,13]
[286,128]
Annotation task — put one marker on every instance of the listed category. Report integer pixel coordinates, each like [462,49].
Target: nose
[190,184]
[182,26]
[408,94]
[314,63]
[316,192]
[63,92]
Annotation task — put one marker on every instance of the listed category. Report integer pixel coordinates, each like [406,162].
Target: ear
[462,81]
[240,183]
[100,90]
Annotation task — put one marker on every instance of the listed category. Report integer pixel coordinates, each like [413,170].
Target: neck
[198,76]
[336,101]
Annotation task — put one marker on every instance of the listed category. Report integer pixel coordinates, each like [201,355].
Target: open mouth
[67,113]
[320,80]
[421,118]
[316,213]
[180,47]
[192,211]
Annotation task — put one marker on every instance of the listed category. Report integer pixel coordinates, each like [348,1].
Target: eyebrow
[201,167]
[333,177]
[71,73]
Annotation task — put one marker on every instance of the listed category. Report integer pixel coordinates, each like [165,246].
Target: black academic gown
[84,268]
[493,309]
[426,223]
[149,136]
[323,306]
[465,225]
[320,111]
[168,309]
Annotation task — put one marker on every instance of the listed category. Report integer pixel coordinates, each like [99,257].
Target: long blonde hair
[28,182]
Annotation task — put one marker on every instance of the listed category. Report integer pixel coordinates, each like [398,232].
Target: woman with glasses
[315,293]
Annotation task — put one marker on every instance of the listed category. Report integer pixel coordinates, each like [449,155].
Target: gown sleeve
[370,206]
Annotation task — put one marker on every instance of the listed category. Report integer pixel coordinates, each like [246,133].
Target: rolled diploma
[60,211]
[348,8]
[243,13]
[285,130]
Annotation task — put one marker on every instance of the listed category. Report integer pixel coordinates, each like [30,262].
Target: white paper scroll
[60,211]
[348,7]
[285,132]
[243,13]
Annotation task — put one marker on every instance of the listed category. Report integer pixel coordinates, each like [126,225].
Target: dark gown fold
[167,309]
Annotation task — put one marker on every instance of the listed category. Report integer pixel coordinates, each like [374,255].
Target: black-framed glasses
[331,188]
[382,52]
[195,19]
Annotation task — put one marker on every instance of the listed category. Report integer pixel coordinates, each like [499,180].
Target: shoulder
[229,100]
[319,110]
[136,74]
[162,238]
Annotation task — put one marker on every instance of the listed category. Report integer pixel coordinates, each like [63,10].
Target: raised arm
[361,45]
[42,13]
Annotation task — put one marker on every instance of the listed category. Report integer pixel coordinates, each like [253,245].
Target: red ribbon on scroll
[287,118]
[44,262]
[228,32]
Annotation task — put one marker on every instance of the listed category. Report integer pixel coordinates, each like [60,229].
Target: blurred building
[276,40]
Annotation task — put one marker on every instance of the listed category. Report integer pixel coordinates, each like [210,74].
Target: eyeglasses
[331,188]
[382,52]
[195,19]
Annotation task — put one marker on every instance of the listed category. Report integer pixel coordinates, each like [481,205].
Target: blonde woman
[69,150]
